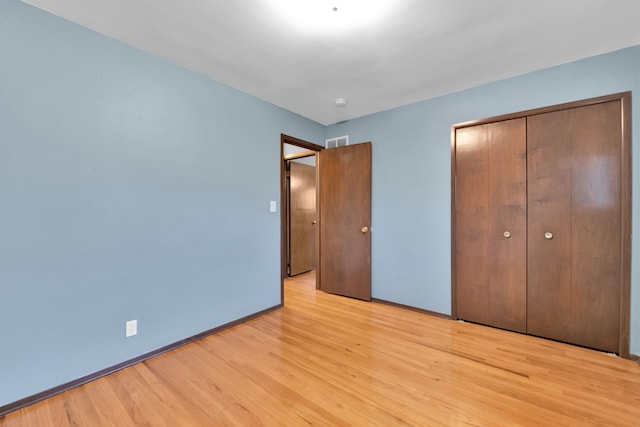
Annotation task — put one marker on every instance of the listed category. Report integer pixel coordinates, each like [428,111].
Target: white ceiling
[410,51]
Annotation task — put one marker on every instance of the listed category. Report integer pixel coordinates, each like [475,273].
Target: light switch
[272,206]
[131,328]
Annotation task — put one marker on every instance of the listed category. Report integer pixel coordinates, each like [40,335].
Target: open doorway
[343,201]
[299,213]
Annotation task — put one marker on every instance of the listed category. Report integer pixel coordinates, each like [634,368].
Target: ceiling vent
[340,141]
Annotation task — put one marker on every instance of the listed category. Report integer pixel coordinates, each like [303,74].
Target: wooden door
[575,211]
[596,224]
[302,218]
[345,220]
[490,222]
[549,203]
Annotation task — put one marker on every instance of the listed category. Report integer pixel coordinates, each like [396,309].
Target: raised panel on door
[303,218]
[549,181]
[490,201]
[596,222]
[507,224]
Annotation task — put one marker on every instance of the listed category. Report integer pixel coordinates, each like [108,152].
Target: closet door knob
[506,234]
[548,235]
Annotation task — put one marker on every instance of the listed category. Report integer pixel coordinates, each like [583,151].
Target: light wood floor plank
[333,361]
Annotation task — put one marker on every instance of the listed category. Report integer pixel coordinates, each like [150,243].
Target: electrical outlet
[131,328]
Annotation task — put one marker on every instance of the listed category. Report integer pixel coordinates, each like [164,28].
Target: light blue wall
[411,212]
[130,188]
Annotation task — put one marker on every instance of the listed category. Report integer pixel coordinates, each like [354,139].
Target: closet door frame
[625,229]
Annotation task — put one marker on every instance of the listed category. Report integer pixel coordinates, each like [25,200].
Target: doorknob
[364,229]
[548,235]
[506,234]
[314,222]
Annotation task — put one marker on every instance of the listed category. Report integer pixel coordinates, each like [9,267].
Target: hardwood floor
[329,360]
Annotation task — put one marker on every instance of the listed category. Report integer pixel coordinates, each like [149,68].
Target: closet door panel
[549,180]
[507,224]
[596,215]
[472,223]
[491,201]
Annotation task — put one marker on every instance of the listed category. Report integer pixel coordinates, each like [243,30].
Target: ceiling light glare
[330,16]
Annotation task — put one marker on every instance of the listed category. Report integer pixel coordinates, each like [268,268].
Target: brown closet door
[596,239]
[472,224]
[491,224]
[549,205]
[574,248]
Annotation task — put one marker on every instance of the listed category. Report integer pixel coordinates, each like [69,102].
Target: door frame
[625,173]
[284,225]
